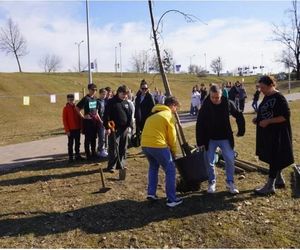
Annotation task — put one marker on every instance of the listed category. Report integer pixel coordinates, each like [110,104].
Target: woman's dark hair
[143,82]
[171,100]
[267,80]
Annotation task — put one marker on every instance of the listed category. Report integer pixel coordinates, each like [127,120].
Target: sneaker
[151,197]
[174,203]
[232,188]
[211,187]
[103,154]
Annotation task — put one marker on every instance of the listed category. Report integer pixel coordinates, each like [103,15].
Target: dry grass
[41,119]
[56,205]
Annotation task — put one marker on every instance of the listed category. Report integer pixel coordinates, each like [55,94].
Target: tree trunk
[161,69]
[184,146]
[298,68]
[19,65]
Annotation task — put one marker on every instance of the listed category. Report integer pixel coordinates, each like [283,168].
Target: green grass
[57,205]
[41,119]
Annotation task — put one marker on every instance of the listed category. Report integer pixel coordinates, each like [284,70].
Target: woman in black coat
[273,135]
[144,103]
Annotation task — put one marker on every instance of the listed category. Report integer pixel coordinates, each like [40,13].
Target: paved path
[18,155]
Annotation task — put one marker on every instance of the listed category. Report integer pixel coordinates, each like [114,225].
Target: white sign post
[76,96]
[52,98]
[26,100]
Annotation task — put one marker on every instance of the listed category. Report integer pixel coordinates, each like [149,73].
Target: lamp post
[262,63]
[205,62]
[147,63]
[120,45]
[191,57]
[88,41]
[116,60]
[289,71]
[78,45]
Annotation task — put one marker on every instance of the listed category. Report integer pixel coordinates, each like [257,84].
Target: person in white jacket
[195,101]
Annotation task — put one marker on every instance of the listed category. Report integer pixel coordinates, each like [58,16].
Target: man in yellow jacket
[159,145]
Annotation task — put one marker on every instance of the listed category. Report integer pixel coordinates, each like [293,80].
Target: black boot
[71,159]
[280,182]
[267,189]
[78,157]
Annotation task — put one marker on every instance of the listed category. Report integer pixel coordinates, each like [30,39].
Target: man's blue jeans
[161,157]
[228,155]
[101,138]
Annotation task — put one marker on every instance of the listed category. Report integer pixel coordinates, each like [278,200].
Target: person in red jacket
[72,126]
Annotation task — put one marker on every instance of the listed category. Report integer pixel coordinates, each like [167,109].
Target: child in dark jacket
[72,126]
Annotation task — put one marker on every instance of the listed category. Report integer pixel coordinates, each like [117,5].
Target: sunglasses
[144,88]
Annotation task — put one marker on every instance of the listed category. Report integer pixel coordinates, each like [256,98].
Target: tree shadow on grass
[43,178]
[116,216]
[56,162]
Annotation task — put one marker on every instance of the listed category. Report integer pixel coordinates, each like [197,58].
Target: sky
[240,32]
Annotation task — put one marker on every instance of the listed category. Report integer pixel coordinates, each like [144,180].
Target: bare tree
[139,62]
[153,63]
[217,65]
[289,36]
[50,63]
[197,70]
[167,60]
[183,143]
[11,41]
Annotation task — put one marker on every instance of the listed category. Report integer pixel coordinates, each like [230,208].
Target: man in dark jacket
[118,113]
[144,103]
[213,130]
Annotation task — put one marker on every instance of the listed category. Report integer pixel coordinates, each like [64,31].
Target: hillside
[41,119]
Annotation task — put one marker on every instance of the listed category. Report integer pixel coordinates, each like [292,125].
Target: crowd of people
[235,92]
[111,117]
[197,98]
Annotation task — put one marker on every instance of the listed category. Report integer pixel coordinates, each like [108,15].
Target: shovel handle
[111,125]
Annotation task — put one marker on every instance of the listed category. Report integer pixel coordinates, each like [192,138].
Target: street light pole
[262,63]
[120,44]
[205,62]
[78,45]
[88,41]
[116,60]
[147,60]
[289,71]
